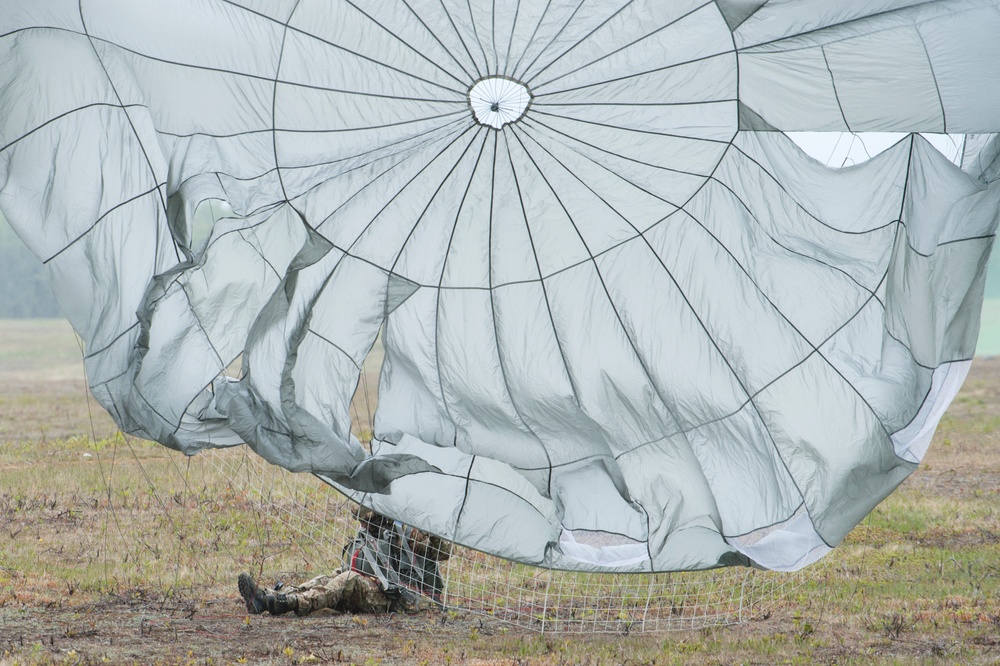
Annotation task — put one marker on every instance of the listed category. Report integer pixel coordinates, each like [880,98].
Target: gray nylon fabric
[630,326]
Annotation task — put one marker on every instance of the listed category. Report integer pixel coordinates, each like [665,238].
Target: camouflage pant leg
[348,591]
[320,592]
[361,594]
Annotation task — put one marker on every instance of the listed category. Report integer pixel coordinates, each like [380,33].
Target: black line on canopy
[253,230]
[493,42]
[438,40]
[833,84]
[527,44]
[465,495]
[361,56]
[444,266]
[618,50]
[767,527]
[423,142]
[413,48]
[551,41]
[475,34]
[597,271]
[513,29]
[375,217]
[99,219]
[258,77]
[591,104]
[430,201]
[69,113]
[461,39]
[333,344]
[629,129]
[937,87]
[287,130]
[433,134]
[545,293]
[815,348]
[274,99]
[714,343]
[401,159]
[201,327]
[618,155]
[135,133]
[807,211]
[575,44]
[778,243]
[91,354]
[867,17]
[493,316]
[637,74]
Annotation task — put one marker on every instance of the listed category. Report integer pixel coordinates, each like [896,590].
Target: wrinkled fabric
[628,325]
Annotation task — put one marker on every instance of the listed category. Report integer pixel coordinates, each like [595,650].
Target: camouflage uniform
[354,590]
[344,591]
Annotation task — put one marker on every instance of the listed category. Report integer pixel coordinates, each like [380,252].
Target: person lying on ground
[388,566]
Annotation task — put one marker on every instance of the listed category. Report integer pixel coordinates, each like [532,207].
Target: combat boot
[278,604]
[254,597]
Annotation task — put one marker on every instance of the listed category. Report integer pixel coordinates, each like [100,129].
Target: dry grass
[121,550]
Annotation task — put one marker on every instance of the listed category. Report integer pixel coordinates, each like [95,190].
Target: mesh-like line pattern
[532,598]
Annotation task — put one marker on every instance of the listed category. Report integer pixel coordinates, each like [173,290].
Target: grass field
[117,550]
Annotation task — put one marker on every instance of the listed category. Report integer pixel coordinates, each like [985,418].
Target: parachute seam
[465,494]
[551,41]
[638,74]
[788,249]
[69,113]
[444,267]
[937,87]
[438,40]
[393,197]
[575,44]
[808,212]
[333,344]
[135,133]
[375,217]
[614,154]
[619,49]
[111,344]
[272,204]
[538,267]
[289,130]
[833,84]
[513,29]
[260,77]
[360,56]
[475,34]
[201,326]
[815,348]
[496,332]
[614,307]
[101,218]
[867,17]
[274,99]
[430,201]
[461,39]
[767,527]
[527,44]
[637,131]
[633,104]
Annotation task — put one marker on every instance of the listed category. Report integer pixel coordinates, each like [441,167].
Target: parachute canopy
[628,324]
